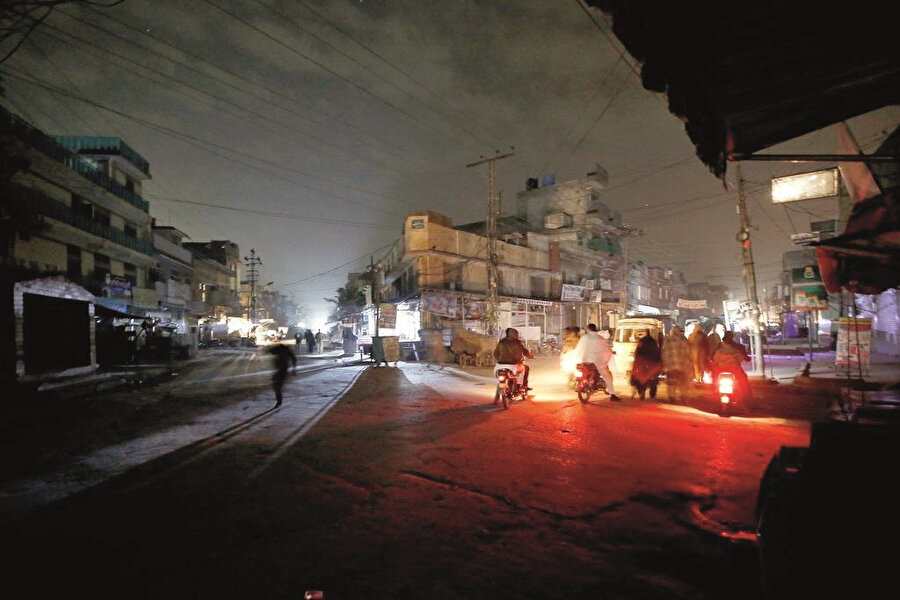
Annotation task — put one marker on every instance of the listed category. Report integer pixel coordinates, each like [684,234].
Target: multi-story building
[79,218]
[216,277]
[174,283]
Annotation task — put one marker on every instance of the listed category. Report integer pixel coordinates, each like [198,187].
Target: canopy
[744,76]
[865,258]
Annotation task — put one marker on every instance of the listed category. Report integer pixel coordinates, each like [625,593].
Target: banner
[572,293]
[854,342]
[808,290]
[387,316]
[597,296]
[474,310]
[693,304]
[439,304]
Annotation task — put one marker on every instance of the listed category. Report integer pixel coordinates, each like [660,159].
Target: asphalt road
[409,483]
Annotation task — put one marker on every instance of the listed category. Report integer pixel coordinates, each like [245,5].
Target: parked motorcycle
[587,381]
[510,384]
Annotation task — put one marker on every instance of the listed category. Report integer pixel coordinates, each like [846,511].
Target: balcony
[34,202]
[104,145]
[46,145]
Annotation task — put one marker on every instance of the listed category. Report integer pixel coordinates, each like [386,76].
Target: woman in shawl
[647,365]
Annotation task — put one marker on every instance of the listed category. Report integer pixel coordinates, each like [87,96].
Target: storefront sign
[808,290]
[596,296]
[117,287]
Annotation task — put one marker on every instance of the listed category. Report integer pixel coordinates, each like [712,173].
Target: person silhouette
[284,358]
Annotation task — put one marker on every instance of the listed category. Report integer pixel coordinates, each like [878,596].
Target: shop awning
[111,307]
[865,258]
[744,76]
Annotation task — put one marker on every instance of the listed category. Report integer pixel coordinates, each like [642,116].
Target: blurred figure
[310,341]
[567,361]
[676,355]
[699,345]
[729,357]
[320,341]
[594,348]
[284,358]
[647,366]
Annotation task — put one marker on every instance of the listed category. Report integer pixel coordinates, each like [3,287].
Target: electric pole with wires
[492,210]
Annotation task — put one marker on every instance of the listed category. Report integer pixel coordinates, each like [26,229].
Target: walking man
[284,358]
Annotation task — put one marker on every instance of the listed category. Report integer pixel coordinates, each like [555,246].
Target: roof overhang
[746,76]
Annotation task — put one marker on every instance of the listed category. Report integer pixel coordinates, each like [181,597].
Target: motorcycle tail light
[726,385]
[725,399]
[501,377]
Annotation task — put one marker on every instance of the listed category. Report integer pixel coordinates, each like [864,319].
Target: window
[81,207]
[130,230]
[73,262]
[101,266]
[131,273]
[101,218]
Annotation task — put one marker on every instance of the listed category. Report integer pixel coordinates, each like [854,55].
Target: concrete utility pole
[625,232]
[373,270]
[491,309]
[253,262]
[749,273]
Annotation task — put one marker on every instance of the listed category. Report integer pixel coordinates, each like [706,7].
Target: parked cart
[473,349]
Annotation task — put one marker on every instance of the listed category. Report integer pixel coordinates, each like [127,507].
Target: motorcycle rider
[728,357]
[510,350]
[594,348]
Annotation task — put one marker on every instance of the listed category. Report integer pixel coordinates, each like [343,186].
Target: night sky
[308,129]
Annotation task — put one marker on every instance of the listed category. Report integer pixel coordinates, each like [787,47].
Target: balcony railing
[104,145]
[34,202]
[48,146]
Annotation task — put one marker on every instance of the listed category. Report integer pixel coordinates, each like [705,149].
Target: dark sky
[308,129]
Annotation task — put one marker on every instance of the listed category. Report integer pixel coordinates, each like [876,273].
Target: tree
[349,300]
[18,18]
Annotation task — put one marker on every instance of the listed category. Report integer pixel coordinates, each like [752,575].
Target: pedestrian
[320,341]
[647,366]
[594,348]
[715,338]
[699,346]
[310,340]
[284,358]
[676,355]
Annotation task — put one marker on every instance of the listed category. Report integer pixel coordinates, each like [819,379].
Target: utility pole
[373,269]
[491,311]
[625,232]
[253,262]
[749,273]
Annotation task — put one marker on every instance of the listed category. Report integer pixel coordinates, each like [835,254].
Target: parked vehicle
[510,384]
[587,381]
[628,331]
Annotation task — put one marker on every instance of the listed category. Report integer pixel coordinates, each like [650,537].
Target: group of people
[685,360]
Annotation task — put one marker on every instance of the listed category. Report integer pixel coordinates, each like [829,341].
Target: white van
[628,331]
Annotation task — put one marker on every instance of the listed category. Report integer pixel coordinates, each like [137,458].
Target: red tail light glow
[726,384]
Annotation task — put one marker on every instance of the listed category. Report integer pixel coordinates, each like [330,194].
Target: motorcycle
[587,381]
[731,394]
[510,383]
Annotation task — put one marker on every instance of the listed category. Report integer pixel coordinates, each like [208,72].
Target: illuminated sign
[806,186]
